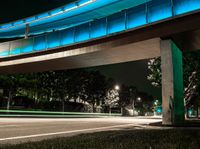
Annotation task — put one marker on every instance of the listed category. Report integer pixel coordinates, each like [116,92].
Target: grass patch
[123,139]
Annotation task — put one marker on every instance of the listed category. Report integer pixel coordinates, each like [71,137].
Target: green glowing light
[178,102]
[52,114]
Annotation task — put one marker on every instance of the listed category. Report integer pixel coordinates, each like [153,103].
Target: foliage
[88,87]
[112,98]
[63,85]
[95,87]
[155,72]
[191,71]
[126,95]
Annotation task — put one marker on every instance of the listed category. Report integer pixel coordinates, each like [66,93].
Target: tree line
[64,85]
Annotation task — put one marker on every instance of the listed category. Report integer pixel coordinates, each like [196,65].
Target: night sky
[16,9]
[132,73]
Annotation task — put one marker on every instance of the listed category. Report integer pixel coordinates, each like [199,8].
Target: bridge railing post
[26,31]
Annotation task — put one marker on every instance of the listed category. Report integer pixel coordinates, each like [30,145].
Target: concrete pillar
[172,83]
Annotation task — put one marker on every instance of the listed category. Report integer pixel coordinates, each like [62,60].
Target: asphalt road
[17,130]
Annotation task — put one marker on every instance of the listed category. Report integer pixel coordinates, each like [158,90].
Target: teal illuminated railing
[45,15]
[73,14]
[150,12]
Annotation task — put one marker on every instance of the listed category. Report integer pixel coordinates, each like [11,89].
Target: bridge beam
[172,83]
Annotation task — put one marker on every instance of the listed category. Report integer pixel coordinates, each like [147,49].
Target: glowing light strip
[51,15]
[56,113]
[86,3]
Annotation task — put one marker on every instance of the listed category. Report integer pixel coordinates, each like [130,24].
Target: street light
[139,99]
[156,103]
[117,87]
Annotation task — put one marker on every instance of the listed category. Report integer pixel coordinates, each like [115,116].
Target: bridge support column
[172,83]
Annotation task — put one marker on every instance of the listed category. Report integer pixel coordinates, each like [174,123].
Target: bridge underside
[96,55]
[188,41]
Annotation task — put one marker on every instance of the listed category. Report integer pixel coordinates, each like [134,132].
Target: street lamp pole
[138,99]
[133,106]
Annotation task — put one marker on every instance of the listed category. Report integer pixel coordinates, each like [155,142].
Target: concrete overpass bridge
[99,32]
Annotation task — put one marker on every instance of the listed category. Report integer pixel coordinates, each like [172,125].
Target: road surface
[17,130]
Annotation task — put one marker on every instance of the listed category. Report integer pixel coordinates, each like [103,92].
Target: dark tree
[191,71]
